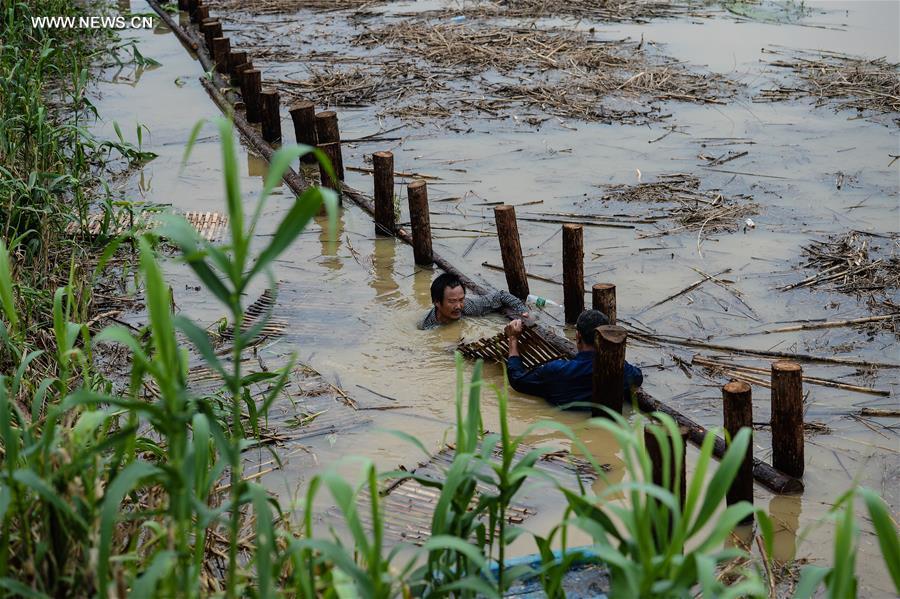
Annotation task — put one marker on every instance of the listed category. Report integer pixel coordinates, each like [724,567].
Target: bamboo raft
[255,313]
[533,349]
[209,225]
[408,505]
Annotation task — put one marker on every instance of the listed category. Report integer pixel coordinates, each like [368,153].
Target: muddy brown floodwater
[350,307]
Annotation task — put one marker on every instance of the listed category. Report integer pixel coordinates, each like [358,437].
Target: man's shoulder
[429,321]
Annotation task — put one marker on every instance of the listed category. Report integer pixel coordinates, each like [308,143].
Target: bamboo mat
[533,349]
[209,225]
[408,505]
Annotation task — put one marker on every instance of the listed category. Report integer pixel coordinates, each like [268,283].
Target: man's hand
[513,329]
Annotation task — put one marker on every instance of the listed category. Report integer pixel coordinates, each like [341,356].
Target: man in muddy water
[563,382]
[451,302]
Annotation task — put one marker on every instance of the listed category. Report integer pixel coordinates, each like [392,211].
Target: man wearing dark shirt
[563,382]
[451,302]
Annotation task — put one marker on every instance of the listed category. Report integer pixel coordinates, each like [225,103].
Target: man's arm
[533,382]
[634,378]
[479,305]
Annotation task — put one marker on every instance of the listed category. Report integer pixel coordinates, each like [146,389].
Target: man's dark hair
[443,281]
[587,324]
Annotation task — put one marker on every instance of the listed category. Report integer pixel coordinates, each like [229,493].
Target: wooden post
[331,150]
[383,167]
[659,464]
[420,221]
[236,58]
[192,9]
[303,114]
[787,417]
[211,29]
[327,132]
[573,271]
[738,408]
[511,251]
[604,299]
[182,4]
[239,70]
[251,87]
[609,369]
[271,115]
[327,127]
[221,47]
[200,13]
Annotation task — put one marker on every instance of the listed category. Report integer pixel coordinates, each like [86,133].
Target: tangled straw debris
[637,11]
[860,264]
[562,72]
[269,7]
[867,85]
[706,211]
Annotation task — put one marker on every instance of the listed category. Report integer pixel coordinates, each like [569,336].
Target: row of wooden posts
[320,129]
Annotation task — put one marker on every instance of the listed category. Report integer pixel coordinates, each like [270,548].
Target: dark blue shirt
[563,382]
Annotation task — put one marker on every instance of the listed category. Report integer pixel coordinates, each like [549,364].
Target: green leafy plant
[643,541]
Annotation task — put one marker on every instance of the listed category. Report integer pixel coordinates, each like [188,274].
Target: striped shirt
[478,305]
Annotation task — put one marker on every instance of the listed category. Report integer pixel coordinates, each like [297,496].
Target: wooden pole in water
[271,115]
[182,4]
[239,71]
[211,29]
[661,465]
[383,174]
[738,408]
[235,59]
[604,299]
[200,14]
[192,9]
[609,369]
[511,251]
[420,221]
[251,87]
[327,132]
[787,417]
[327,126]
[221,48]
[303,115]
[573,271]
[332,150]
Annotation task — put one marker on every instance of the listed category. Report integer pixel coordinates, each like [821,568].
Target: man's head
[586,327]
[448,296]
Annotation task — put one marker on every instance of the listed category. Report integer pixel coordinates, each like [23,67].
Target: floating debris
[706,211]
[562,72]
[842,80]
[847,264]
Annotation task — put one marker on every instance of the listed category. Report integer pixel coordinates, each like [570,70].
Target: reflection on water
[784,510]
[329,245]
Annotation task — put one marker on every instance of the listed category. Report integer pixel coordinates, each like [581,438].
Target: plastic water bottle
[458,19]
[540,302]
[548,307]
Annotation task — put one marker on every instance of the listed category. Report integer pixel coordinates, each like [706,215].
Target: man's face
[452,306]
